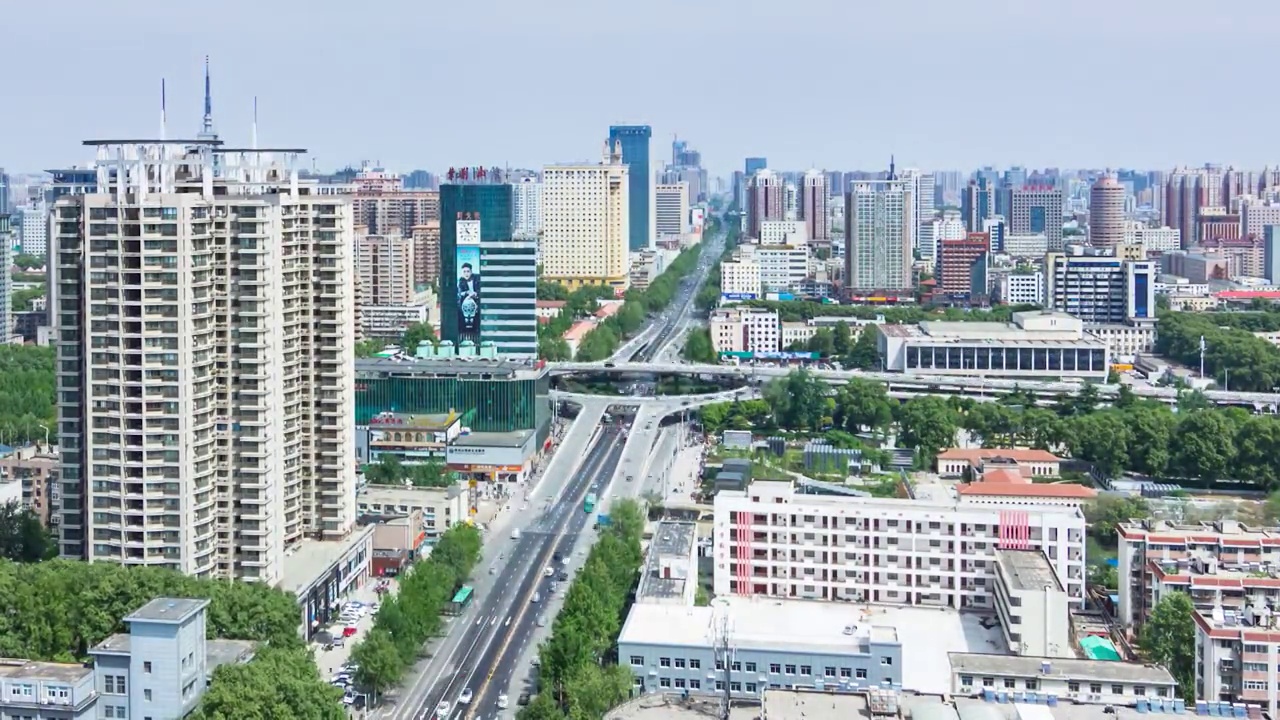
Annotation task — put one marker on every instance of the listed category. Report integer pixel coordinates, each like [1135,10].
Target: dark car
[523,699]
[563,576]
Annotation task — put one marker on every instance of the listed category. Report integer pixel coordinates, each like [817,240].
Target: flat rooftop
[471,368]
[925,634]
[512,439]
[225,652]
[672,543]
[1027,570]
[989,333]
[400,494]
[1229,533]
[1060,668]
[172,610]
[930,495]
[309,559]
[22,669]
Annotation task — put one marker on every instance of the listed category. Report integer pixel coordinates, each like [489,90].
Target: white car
[502,701]
[442,710]
[465,697]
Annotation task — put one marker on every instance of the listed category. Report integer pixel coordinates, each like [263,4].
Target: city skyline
[559,116]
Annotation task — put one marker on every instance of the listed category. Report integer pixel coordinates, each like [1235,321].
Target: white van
[515,534]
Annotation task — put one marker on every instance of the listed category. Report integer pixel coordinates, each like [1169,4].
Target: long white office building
[205,315]
[938,550]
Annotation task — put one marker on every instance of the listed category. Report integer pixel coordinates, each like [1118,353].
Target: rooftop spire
[893,175]
[164,119]
[206,129]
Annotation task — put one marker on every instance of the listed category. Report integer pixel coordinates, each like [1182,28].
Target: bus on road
[590,503]
[460,601]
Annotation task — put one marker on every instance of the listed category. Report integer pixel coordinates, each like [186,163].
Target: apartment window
[1255,685]
[775,668]
[751,667]
[110,711]
[146,694]
[679,682]
[790,669]
[146,666]
[720,685]
[1117,689]
[664,682]
[719,665]
[829,671]
[680,663]
[886,660]
[752,688]
[1010,683]
[664,662]
[846,673]
[736,667]
[695,684]
[1139,690]
[988,682]
[1162,692]
[806,669]
[1095,688]
[1031,683]
[637,660]
[695,664]
[1073,686]
[861,674]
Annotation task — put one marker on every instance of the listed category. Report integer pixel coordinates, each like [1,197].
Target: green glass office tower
[488,283]
[635,153]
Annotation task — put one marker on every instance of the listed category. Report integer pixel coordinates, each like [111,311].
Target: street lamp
[46,435]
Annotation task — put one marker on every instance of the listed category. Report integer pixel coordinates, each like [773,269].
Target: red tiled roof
[1019,455]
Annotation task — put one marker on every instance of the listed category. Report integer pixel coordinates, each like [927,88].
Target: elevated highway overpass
[899,384]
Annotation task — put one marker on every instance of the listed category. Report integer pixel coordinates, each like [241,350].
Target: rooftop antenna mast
[253,137]
[722,630]
[164,118]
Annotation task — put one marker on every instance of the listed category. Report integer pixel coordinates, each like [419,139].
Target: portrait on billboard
[469,293]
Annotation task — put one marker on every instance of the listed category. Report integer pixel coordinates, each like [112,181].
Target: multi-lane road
[479,655]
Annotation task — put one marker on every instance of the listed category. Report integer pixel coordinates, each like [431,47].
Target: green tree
[1106,512]
[23,538]
[1168,638]
[27,261]
[381,663]
[20,300]
[416,334]
[553,349]
[540,707]
[927,424]
[1206,445]
[698,347]
[842,338]
[865,353]
[369,348]
[799,400]
[1103,439]
[277,685]
[864,404]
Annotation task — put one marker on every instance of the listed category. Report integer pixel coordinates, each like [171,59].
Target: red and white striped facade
[773,541]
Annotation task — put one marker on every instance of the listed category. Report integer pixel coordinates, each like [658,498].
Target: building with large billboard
[488,279]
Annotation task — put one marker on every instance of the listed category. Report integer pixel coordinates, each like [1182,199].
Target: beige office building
[585,223]
[671,208]
[1106,213]
[205,369]
[385,267]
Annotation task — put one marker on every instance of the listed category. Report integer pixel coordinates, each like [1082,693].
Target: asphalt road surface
[507,616]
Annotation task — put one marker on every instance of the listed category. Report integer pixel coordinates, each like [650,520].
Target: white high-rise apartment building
[585,222]
[879,230]
[923,187]
[34,237]
[205,317]
[948,227]
[526,208]
[671,213]
[814,198]
[784,232]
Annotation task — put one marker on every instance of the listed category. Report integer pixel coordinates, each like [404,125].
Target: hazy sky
[837,84]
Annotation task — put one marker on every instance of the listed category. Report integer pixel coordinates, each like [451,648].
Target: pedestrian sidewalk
[328,661]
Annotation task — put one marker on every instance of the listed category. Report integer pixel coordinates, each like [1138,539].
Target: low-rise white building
[441,508]
[744,330]
[1034,245]
[1032,605]
[1161,239]
[1022,288]
[1035,344]
[938,550]
[1103,682]
[739,280]
[784,232]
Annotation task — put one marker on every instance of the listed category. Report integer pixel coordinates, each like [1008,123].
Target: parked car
[502,701]
[465,697]
[349,631]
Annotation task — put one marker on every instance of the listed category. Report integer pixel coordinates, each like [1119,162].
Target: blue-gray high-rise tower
[635,153]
